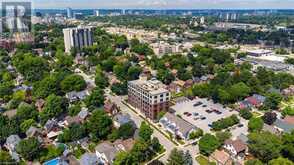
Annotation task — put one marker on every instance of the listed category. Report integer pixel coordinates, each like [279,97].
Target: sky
[166,4]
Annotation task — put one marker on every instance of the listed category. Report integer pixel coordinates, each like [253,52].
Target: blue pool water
[52,162]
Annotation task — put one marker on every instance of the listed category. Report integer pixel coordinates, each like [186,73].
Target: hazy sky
[167,4]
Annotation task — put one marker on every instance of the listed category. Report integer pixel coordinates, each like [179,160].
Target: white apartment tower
[77,37]
[69,12]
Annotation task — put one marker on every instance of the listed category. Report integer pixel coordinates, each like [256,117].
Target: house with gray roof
[283,125]
[83,114]
[11,143]
[76,96]
[177,126]
[106,152]
[89,159]
[121,119]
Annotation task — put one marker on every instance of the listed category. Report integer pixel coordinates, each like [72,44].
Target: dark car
[203,118]
[208,111]
[197,104]
[185,113]
[240,125]
[189,114]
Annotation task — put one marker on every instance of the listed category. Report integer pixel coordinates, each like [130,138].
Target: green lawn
[202,160]
[256,114]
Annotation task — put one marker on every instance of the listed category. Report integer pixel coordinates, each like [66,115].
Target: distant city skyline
[164,4]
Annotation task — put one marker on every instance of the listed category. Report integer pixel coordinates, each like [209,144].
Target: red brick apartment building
[149,96]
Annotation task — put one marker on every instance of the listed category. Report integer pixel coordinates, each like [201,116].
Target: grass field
[202,160]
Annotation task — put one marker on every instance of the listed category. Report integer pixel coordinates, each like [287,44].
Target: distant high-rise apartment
[149,96]
[69,13]
[77,37]
[97,13]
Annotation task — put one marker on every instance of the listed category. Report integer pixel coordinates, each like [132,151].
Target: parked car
[195,114]
[208,111]
[240,125]
[197,104]
[186,113]
[204,105]
[189,114]
[203,118]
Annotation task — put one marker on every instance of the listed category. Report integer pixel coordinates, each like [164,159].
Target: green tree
[126,130]
[33,68]
[255,124]
[246,114]
[73,83]
[253,162]
[119,88]
[123,158]
[74,132]
[25,125]
[134,72]
[281,161]
[288,145]
[96,98]
[208,143]
[222,136]
[264,145]
[29,148]
[45,87]
[54,106]
[101,80]
[145,132]
[26,111]
[176,157]
[6,158]
[272,101]
[99,125]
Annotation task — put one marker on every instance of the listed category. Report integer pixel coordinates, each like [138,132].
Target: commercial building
[77,37]
[149,96]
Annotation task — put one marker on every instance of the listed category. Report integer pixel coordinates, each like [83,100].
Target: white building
[162,48]
[69,13]
[77,37]
[177,126]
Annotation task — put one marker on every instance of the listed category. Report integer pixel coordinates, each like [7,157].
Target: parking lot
[202,112]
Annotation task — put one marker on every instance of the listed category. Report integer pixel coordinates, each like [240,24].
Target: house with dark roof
[235,147]
[177,126]
[50,125]
[110,108]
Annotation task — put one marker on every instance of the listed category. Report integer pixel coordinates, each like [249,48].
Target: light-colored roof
[238,144]
[221,156]
[183,126]
[89,159]
[108,149]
